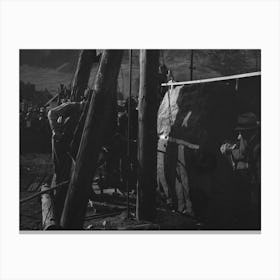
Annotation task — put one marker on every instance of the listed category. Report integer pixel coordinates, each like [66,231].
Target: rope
[42,192]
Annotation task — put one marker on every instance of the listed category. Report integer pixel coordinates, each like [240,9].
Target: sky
[47,69]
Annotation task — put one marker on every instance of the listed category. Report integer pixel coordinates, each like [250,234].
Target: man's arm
[64,110]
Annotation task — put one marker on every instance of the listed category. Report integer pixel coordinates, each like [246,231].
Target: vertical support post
[257,60]
[147,135]
[129,132]
[97,121]
[191,66]
[81,77]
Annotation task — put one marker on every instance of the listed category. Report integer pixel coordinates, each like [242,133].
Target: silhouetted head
[133,103]
[247,125]
[163,69]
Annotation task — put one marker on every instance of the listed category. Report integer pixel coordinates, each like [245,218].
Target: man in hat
[248,136]
[244,157]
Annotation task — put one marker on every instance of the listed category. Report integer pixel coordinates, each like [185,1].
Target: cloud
[44,77]
[63,66]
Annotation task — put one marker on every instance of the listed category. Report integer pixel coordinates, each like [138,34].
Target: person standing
[63,120]
[244,156]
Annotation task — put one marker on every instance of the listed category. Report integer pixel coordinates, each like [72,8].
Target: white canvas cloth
[167,114]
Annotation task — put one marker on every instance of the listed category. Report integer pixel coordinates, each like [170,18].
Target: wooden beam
[232,77]
[81,77]
[147,134]
[98,119]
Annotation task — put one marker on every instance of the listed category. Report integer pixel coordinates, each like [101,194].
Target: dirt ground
[108,212]
[36,169]
[165,220]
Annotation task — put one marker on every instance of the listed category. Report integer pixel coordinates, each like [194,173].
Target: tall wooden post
[147,134]
[81,77]
[98,119]
[129,132]
[191,66]
[79,85]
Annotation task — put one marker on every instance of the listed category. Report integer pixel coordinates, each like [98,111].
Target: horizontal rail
[239,76]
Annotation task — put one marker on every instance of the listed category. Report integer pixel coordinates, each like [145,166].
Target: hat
[133,103]
[247,121]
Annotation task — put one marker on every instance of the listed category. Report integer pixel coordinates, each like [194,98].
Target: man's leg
[184,181]
[63,165]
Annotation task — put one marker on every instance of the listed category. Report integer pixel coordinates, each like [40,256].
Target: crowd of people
[34,125]
[35,132]
[33,118]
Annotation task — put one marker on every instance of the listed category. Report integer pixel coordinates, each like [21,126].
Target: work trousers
[62,166]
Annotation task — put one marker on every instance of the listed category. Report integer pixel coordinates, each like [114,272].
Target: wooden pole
[48,216]
[81,77]
[129,132]
[98,119]
[147,134]
[210,80]
[191,66]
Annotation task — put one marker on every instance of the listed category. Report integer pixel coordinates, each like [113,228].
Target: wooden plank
[147,135]
[183,142]
[146,226]
[98,119]
[240,76]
